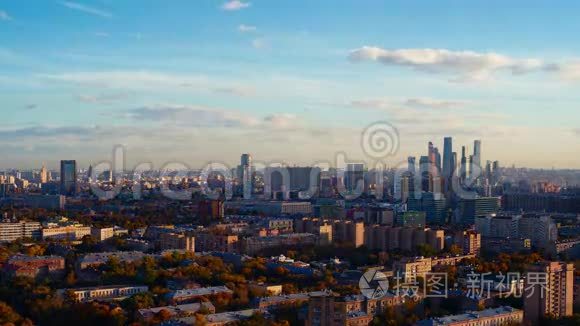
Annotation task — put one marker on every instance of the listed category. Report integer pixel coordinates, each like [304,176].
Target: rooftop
[470,315]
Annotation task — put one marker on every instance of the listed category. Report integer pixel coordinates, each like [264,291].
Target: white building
[10,231]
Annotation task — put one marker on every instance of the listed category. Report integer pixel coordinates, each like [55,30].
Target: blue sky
[292,81]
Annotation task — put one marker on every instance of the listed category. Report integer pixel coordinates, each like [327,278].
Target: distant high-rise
[477,153]
[471,173]
[437,161]
[453,162]
[43,174]
[463,168]
[431,153]
[246,160]
[246,175]
[68,177]
[411,164]
[447,158]
[354,175]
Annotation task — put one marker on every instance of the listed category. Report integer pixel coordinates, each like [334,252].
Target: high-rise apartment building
[548,290]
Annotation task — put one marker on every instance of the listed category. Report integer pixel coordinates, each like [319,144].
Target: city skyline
[202,81]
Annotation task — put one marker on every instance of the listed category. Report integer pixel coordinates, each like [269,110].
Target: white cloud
[414,103]
[567,71]
[426,102]
[281,120]
[102,98]
[259,43]
[236,90]
[235,5]
[466,65]
[199,116]
[246,28]
[86,9]
[4,15]
[129,79]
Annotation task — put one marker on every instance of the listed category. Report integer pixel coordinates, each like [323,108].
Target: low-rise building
[66,232]
[94,260]
[35,266]
[265,290]
[221,319]
[176,311]
[187,295]
[104,293]
[409,269]
[283,300]
[102,234]
[11,231]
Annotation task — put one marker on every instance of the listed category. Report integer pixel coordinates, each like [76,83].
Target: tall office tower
[246,175]
[548,291]
[90,173]
[424,170]
[463,167]
[43,174]
[404,190]
[447,158]
[488,170]
[68,177]
[411,164]
[453,162]
[477,153]
[354,175]
[437,159]
[303,178]
[495,174]
[471,172]
[431,153]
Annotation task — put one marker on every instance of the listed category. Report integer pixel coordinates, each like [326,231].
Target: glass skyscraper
[68,178]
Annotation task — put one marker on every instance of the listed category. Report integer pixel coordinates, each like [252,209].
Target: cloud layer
[86,9]
[4,15]
[235,5]
[465,65]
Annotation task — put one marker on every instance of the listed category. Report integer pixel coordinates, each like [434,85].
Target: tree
[8,315]
[455,250]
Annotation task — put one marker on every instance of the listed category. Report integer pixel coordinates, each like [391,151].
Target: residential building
[410,268]
[548,290]
[35,266]
[212,241]
[349,232]
[10,231]
[102,234]
[177,241]
[471,243]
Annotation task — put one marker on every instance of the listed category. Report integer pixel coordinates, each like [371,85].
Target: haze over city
[292,81]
